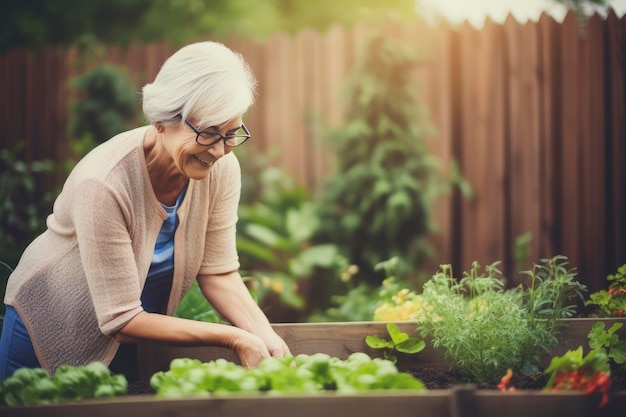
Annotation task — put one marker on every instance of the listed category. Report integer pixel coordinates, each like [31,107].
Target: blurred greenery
[194,306]
[379,202]
[278,256]
[24,206]
[38,23]
[105,104]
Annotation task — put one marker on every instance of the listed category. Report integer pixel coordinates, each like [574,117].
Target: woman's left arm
[228,294]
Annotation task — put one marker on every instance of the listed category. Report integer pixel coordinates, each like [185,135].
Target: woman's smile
[205,162]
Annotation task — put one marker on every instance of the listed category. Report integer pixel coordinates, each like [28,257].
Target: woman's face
[191,158]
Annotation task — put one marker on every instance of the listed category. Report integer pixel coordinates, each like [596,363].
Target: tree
[38,23]
[379,203]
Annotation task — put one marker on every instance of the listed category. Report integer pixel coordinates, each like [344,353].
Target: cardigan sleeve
[220,253]
[103,233]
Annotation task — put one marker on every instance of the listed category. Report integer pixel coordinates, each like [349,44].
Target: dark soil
[140,388]
[436,379]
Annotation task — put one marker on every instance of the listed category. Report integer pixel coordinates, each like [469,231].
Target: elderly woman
[138,220]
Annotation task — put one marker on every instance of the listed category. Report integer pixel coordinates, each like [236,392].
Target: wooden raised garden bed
[340,340]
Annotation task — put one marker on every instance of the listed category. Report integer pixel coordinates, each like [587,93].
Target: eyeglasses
[211,138]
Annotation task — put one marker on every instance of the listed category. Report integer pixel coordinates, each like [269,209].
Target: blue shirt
[159,282]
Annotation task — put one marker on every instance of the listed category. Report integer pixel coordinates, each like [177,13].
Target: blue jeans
[16,348]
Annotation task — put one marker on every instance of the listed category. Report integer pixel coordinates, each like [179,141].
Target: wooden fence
[534,114]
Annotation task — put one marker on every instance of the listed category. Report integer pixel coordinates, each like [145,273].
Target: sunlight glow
[475,11]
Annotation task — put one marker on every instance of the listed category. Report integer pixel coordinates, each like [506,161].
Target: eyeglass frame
[220,137]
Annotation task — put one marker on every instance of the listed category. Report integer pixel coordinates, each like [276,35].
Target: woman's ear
[159,127]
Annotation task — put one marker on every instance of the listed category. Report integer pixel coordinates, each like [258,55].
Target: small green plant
[28,386]
[608,341]
[587,373]
[399,342]
[611,303]
[486,329]
[396,302]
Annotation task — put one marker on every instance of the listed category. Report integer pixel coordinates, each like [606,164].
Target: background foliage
[105,106]
[379,202]
[37,23]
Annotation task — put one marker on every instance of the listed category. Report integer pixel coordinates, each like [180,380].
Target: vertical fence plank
[523,195]
[435,93]
[570,144]
[254,53]
[616,188]
[315,148]
[594,148]
[278,81]
[483,153]
[548,239]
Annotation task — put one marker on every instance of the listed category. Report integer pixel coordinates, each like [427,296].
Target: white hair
[205,81]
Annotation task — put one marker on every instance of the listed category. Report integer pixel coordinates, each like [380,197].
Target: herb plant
[486,329]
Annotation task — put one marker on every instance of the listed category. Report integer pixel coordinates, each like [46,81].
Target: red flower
[598,382]
[506,380]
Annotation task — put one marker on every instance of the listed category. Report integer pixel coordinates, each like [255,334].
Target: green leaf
[618,352]
[397,336]
[315,256]
[615,327]
[413,345]
[376,342]
[302,223]
[264,234]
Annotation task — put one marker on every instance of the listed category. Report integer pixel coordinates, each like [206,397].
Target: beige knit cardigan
[81,280]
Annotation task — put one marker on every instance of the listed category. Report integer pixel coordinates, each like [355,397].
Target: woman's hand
[275,344]
[250,349]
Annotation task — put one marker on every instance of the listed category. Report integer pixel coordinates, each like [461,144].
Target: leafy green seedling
[609,341]
[399,342]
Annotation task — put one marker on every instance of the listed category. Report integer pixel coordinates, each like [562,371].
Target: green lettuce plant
[302,373]
[28,386]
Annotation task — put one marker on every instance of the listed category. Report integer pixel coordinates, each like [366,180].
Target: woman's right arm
[158,328]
